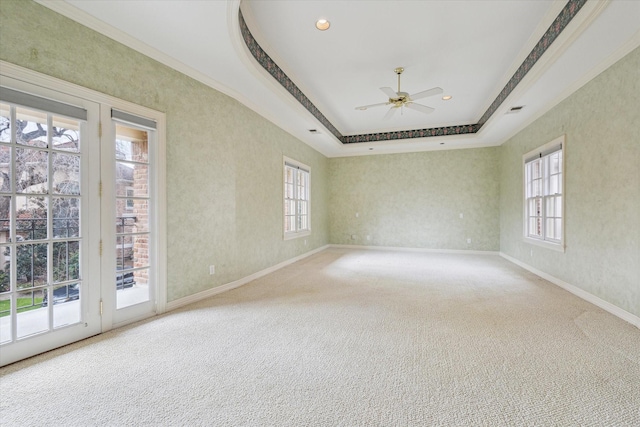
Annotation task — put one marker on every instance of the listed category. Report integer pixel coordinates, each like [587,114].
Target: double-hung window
[296,199]
[543,195]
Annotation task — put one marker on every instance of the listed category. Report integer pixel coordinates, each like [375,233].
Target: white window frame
[547,201]
[297,201]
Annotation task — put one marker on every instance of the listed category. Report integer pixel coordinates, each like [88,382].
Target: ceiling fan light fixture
[400,100]
[322,24]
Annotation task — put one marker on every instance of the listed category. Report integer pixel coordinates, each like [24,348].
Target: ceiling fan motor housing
[402,98]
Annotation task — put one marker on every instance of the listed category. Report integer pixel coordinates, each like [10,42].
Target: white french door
[82,234]
[49,220]
[130,236]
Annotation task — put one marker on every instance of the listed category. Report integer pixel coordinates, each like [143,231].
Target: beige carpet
[350,338]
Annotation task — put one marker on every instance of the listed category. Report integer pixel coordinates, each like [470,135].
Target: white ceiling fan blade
[364,107]
[419,107]
[426,93]
[390,113]
[389,92]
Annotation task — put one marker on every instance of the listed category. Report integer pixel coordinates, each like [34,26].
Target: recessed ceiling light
[322,24]
[447,97]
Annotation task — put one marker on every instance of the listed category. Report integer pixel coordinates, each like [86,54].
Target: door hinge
[100,189]
[100,247]
[100,130]
[100,307]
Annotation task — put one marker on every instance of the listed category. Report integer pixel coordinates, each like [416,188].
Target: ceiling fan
[400,99]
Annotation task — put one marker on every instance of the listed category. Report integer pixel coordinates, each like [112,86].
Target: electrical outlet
[212,270]
[354,237]
[368,237]
[461,216]
[469,240]
[305,242]
[357,214]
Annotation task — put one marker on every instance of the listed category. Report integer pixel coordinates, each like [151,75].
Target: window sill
[291,236]
[558,247]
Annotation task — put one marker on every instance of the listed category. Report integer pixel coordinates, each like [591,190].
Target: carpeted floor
[349,338]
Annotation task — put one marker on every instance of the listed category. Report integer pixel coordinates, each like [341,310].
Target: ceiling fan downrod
[399,71]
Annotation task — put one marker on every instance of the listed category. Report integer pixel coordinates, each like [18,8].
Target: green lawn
[24,304]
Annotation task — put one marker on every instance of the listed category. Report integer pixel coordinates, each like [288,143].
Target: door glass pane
[132,144]
[31,127]
[125,224]
[132,180]
[124,252]
[66,217]
[66,304]
[132,287]
[5,169]
[65,134]
[31,265]
[32,313]
[132,251]
[138,219]
[124,178]
[31,223]
[66,261]
[5,123]
[31,171]
[5,318]
[5,219]
[5,269]
[66,174]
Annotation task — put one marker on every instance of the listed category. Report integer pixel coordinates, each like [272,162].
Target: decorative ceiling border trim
[409,134]
[276,72]
[557,26]
[565,16]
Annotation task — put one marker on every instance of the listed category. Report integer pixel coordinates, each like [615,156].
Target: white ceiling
[469,48]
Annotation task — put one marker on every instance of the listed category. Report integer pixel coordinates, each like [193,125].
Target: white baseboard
[237,283]
[605,305]
[426,250]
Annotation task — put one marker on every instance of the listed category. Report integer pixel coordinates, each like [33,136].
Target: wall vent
[515,109]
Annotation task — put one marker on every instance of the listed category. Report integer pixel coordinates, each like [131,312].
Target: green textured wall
[415,200]
[224,161]
[602,187]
